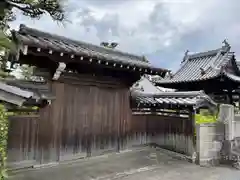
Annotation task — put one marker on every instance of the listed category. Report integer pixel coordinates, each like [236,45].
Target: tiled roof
[201,66]
[194,99]
[33,37]
[13,95]
[238,64]
[232,77]
[146,85]
[40,90]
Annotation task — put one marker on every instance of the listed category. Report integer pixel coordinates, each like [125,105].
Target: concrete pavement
[144,164]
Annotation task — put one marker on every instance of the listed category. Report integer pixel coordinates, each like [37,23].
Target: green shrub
[205,116]
[3,142]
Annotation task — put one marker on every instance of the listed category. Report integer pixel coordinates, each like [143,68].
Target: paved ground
[147,164]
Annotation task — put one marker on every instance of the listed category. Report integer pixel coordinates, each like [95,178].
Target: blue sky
[161,30]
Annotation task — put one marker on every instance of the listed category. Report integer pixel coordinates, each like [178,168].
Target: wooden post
[192,119]
[238,101]
[192,113]
[230,96]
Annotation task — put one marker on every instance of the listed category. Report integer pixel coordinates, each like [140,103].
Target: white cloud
[162,30]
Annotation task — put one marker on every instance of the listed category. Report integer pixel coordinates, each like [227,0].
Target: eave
[200,67]
[223,81]
[172,100]
[11,91]
[14,95]
[60,49]
[72,58]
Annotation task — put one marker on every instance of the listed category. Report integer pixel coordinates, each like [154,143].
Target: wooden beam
[90,80]
[162,106]
[171,111]
[23,110]
[25,50]
[65,57]
[59,70]
[42,72]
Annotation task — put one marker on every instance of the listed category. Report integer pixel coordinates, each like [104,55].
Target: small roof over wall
[13,95]
[78,51]
[204,66]
[40,89]
[238,64]
[171,100]
[17,95]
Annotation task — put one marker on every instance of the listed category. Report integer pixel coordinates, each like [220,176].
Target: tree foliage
[33,9]
[27,73]
[30,8]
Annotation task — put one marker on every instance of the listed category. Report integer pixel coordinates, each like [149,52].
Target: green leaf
[34,107]
[5,42]
[3,142]
[4,173]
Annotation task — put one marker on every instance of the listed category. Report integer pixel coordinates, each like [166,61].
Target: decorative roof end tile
[185,56]
[226,46]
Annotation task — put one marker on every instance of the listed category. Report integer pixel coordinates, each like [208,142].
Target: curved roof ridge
[171,94]
[203,54]
[224,49]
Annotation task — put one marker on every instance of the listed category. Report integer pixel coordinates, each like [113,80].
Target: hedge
[3,141]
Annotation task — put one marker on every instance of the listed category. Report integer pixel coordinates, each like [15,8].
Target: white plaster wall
[145,85]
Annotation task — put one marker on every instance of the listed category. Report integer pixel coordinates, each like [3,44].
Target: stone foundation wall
[209,143]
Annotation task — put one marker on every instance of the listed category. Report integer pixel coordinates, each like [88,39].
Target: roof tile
[189,98]
[200,66]
[30,36]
